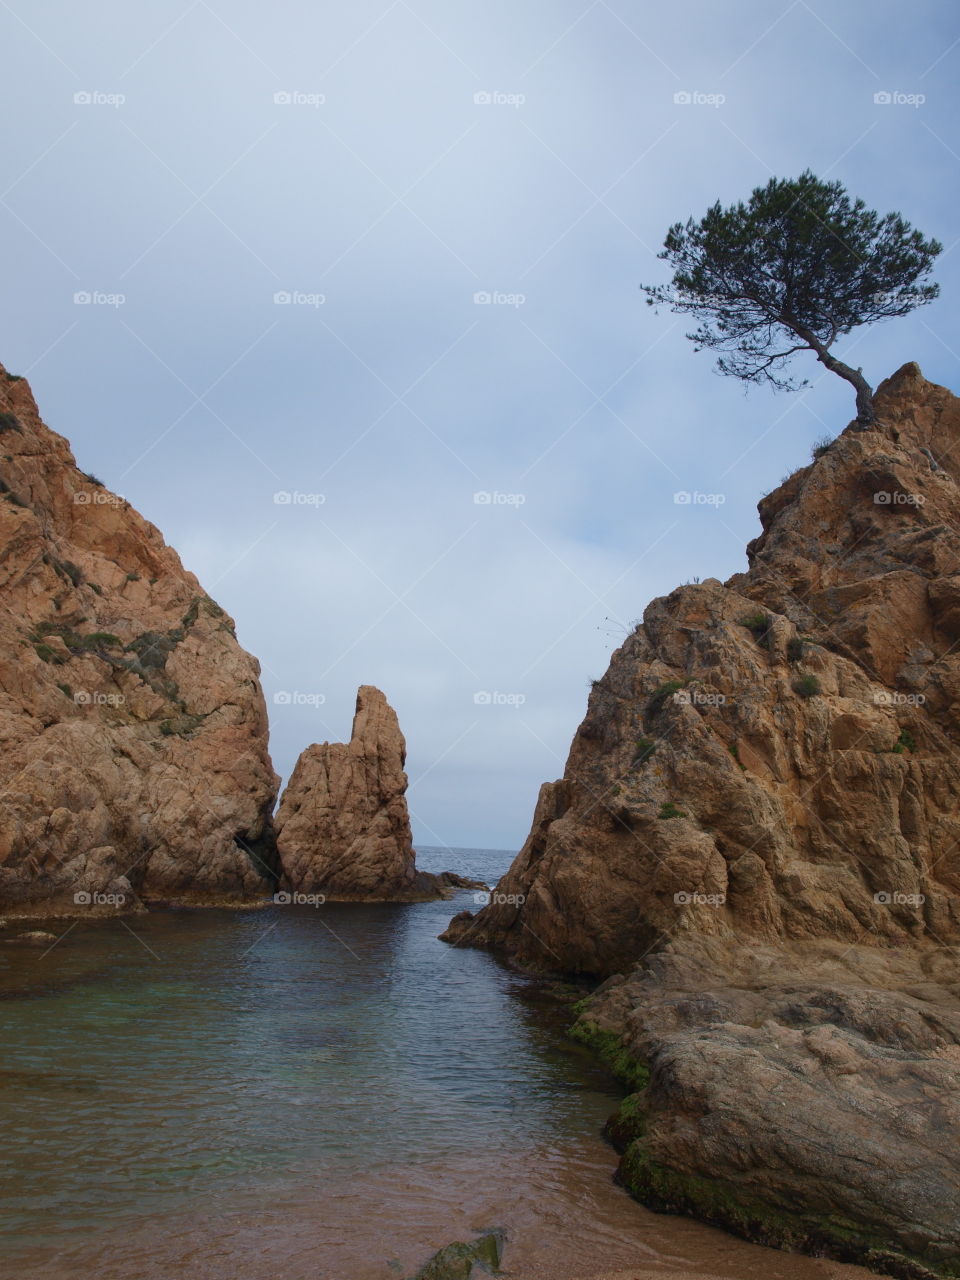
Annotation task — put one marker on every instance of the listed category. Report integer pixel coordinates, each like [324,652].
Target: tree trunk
[866,415]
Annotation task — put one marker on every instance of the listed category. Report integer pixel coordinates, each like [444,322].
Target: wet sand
[564,1218]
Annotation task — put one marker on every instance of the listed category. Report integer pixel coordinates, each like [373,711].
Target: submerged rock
[756,841]
[462,1261]
[449,883]
[135,763]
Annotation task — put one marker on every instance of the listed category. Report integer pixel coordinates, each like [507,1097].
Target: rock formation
[134,763]
[758,831]
[342,827]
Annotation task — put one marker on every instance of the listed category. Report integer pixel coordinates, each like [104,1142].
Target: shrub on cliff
[806,687]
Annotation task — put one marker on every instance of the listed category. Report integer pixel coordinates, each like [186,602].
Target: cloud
[398,198]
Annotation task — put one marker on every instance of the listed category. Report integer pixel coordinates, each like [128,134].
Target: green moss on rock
[667,1190]
[461,1261]
[629,1122]
[611,1051]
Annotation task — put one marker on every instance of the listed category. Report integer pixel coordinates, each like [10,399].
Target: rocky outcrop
[802,1095]
[134,761]
[342,827]
[777,756]
[758,831]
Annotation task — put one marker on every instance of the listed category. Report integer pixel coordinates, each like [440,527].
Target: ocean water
[479,864]
[328,1093]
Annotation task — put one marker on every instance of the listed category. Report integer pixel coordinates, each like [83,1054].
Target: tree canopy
[798,266]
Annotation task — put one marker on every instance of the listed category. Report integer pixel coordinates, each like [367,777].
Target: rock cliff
[134,761]
[342,827]
[777,756]
[758,833]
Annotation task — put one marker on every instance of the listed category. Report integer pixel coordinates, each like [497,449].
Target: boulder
[465,1261]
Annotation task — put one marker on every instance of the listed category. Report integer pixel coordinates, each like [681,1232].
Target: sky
[346,300]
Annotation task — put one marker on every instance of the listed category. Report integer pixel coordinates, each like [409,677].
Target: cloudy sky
[285,215]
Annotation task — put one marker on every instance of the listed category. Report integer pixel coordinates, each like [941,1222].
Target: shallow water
[318,1093]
